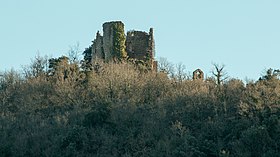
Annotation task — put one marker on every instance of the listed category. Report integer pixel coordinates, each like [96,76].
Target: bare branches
[181,72]
[219,73]
[165,66]
[74,53]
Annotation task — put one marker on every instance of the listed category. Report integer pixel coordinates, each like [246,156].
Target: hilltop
[119,101]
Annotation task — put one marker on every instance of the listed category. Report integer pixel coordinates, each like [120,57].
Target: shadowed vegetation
[58,109]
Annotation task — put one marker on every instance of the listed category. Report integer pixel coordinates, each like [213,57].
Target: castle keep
[137,45]
[140,45]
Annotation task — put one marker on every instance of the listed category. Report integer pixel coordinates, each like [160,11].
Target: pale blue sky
[242,34]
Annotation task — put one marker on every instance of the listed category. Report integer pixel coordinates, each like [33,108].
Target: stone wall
[108,38]
[139,44]
[97,48]
[198,75]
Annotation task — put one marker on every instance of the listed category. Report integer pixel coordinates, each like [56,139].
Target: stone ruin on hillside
[198,75]
[139,45]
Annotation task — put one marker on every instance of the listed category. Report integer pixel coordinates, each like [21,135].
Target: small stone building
[198,74]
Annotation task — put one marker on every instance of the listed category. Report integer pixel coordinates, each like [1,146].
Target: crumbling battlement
[97,47]
[138,44]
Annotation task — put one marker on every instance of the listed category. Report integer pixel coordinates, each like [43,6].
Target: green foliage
[119,52]
[87,61]
[271,74]
[256,140]
[98,115]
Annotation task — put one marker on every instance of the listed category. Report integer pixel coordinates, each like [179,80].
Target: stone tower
[102,47]
[139,45]
[109,28]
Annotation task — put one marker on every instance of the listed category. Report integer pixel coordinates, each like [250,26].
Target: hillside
[122,109]
[120,101]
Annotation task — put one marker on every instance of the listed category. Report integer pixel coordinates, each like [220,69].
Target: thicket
[57,109]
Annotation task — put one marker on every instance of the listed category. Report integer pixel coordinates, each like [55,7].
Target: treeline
[58,108]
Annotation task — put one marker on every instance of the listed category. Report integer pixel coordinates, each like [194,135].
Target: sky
[244,35]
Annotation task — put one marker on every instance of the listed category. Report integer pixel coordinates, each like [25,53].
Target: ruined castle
[114,44]
[138,45]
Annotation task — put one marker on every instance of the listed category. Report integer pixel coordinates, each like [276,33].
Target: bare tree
[38,67]
[181,72]
[219,73]
[165,66]
[74,53]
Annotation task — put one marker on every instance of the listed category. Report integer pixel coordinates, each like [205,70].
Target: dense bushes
[121,111]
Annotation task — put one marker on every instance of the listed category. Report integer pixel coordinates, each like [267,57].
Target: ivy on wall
[119,52]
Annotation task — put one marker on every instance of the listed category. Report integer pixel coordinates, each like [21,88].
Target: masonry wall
[97,48]
[139,44]
[108,38]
